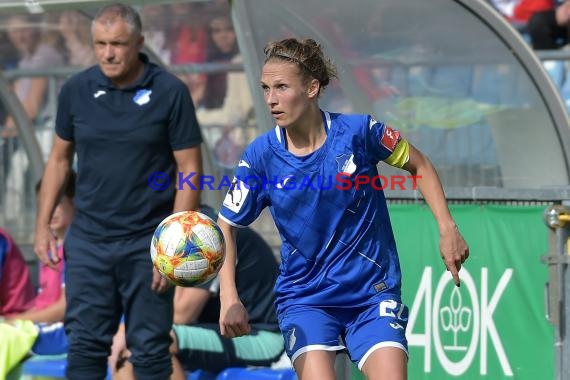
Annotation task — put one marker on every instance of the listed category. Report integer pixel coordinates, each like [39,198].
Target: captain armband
[400,155]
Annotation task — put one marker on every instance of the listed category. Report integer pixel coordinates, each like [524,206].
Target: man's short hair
[126,12]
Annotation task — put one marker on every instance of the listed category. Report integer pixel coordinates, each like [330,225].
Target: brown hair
[307,54]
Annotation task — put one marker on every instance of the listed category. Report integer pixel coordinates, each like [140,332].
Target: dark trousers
[104,280]
[545,33]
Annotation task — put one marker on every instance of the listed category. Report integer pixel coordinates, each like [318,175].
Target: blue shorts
[51,339]
[360,330]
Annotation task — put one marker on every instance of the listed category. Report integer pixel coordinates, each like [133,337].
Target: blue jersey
[338,248]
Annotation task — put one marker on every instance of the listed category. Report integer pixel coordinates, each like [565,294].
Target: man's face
[223,34]
[117,49]
[23,35]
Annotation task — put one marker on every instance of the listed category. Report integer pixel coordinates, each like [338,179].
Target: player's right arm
[55,174]
[234,320]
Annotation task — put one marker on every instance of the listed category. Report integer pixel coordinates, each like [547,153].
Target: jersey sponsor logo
[236,195]
[142,97]
[457,326]
[390,138]
[99,93]
[243,163]
[346,164]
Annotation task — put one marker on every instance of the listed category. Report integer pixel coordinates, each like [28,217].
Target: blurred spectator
[222,47]
[25,33]
[49,304]
[155,18]
[226,107]
[196,83]
[8,53]
[44,332]
[550,29]
[187,34]
[16,289]
[188,42]
[76,32]
[519,12]
[8,60]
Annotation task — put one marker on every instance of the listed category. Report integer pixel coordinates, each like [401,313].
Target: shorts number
[391,308]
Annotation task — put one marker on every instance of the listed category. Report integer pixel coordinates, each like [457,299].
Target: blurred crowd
[545,26]
[177,35]
[544,23]
[186,36]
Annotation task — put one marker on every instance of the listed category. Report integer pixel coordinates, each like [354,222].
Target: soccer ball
[188,248]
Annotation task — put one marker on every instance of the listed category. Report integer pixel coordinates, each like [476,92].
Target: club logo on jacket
[142,97]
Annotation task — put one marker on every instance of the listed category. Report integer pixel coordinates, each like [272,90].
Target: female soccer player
[339,282]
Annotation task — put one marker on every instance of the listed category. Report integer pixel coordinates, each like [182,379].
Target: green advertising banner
[494,325]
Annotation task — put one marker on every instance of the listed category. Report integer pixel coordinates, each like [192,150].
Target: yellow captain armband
[400,155]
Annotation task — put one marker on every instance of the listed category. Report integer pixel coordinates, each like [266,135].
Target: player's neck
[306,138]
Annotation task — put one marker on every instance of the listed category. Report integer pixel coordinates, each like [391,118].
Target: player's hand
[119,351]
[234,320]
[454,251]
[45,246]
[159,283]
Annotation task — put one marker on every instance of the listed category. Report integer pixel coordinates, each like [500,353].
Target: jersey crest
[346,164]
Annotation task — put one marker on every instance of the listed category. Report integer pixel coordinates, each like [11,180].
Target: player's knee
[158,369]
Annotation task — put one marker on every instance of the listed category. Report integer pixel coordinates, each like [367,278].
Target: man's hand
[159,283]
[119,351]
[562,14]
[45,246]
[234,320]
[454,251]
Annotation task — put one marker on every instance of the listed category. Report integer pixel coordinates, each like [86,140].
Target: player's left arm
[453,248]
